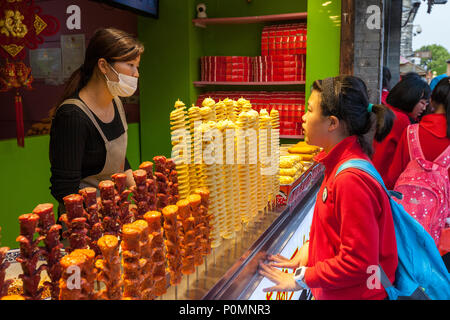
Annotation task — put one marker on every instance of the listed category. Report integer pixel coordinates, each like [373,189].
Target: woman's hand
[283,281]
[299,260]
[130,179]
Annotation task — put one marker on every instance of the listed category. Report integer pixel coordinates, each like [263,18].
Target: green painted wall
[324,41]
[25,179]
[165,73]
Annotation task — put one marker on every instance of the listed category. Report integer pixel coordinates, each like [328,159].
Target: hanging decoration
[22,26]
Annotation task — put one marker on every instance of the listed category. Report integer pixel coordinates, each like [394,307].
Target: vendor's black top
[77,149]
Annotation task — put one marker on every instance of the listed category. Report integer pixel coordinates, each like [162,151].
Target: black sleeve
[127,165]
[67,144]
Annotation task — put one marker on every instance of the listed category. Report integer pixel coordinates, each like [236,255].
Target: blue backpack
[421,273]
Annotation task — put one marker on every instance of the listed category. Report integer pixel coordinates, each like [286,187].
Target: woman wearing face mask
[408,100]
[88,137]
[352,228]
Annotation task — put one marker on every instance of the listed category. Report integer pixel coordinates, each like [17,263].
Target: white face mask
[126,86]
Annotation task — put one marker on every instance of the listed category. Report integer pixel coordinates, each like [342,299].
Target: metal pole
[196,274]
[187,286]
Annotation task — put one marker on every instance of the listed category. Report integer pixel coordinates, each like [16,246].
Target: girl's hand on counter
[299,260]
[283,281]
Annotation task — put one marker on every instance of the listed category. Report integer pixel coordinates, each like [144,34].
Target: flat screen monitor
[147,8]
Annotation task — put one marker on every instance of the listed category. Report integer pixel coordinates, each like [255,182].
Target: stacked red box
[273,68]
[280,68]
[290,104]
[284,39]
[230,69]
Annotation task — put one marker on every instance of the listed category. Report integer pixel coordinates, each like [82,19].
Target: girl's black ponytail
[384,121]
[346,98]
[441,95]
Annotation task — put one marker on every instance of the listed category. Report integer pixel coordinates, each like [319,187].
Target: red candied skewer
[162,182]
[158,259]
[194,203]
[29,256]
[122,193]
[173,249]
[205,229]
[151,183]
[186,236]
[76,222]
[109,268]
[53,246]
[160,164]
[140,194]
[83,261]
[46,217]
[173,182]
[95,226]
[108,208]
[4,285]
[131,252]
[162,190]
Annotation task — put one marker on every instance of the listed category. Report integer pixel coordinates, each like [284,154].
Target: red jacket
[351,230]
[433,140]
[384,95]
[384,151]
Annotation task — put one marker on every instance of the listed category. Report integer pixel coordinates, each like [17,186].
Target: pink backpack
[425,186]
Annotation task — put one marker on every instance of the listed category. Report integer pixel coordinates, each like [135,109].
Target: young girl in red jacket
[408,100]
[434,133]
[434,137]
[352,230]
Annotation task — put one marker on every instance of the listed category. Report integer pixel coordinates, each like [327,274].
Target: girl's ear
[102,65]
[334,123]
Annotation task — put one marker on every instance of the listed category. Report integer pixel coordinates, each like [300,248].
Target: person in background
[352,227]
[408,99]
[436,80]
[88,136]
[386,84]
[434,137]
[411,74]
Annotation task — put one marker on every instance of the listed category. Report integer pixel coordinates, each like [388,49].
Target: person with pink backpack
[420,169]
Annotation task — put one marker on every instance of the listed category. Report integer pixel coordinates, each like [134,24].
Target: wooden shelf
[254,19]
[292,137]
[230,83]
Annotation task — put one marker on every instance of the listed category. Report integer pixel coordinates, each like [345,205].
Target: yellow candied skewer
[207,114]
[264,139]
[243,166]
[195,169]
[220,110]
[239,107]
[232,143]
[219,177]
[210,103]
[229,107]
[210,169]
[275,122]
[255,177]
[229,213]
[178,123]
